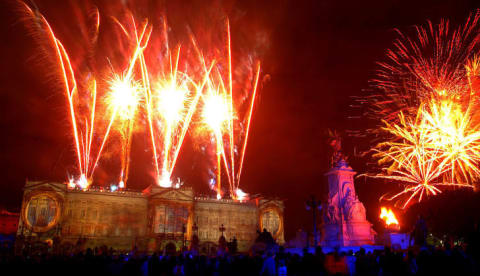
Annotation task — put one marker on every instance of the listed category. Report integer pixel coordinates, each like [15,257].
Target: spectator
[269,266]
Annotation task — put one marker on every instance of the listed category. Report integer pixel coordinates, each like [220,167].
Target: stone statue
[345,221]
[354,210]
[357,212]
[335,142]
[333,216]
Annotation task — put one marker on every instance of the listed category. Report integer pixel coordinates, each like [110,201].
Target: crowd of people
[415,261]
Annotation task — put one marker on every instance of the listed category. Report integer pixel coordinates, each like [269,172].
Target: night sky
[317,54]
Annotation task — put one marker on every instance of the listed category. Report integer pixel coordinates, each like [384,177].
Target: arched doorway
[170,248]
[208,248]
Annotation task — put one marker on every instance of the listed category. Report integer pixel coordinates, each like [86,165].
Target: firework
[124,100]
[439,147]
[85,110]
[170,106]
[452,131]
[418,173]
[220,114]
[425,64]
[83,136]
[157,83]
[241,195]
[216,116]
[429,137]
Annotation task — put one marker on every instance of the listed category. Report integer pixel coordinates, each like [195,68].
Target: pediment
[172,194]
[45,186]
[265,203]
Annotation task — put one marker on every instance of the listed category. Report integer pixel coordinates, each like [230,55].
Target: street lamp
[222,242]
[222,229]
[313,205]
[195,228]
[195,241]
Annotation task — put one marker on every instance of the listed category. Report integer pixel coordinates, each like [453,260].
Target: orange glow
[164,180]
[388,216]
[82,182]
[241,195]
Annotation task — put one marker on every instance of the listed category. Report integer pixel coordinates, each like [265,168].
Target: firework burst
[423,65]
[147,79]
[438,147]
[231,131]
[429,136]
[170,108]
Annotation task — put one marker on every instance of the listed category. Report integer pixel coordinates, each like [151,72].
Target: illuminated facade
[8,222]
[150,220]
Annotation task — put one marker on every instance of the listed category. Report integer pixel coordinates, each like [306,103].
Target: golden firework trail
[220,115]
[421,177]
[171,106]
[439,147]
[216,115]
[451,129]
[120,102]
[82,144]
[428,94]
[419,66]
[169,97]
[124,97]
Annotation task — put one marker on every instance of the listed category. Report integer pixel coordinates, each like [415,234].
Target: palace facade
[154,219]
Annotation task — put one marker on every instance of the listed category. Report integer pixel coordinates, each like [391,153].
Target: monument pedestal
[345,222]
[348,234]
[394,239]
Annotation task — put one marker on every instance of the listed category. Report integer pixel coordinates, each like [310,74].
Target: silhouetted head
[361,251]
[305,251]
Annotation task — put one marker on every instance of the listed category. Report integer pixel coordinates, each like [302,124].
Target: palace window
[41,210]
[170,219]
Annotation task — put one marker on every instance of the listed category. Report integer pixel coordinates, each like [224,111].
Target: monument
[344,218]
